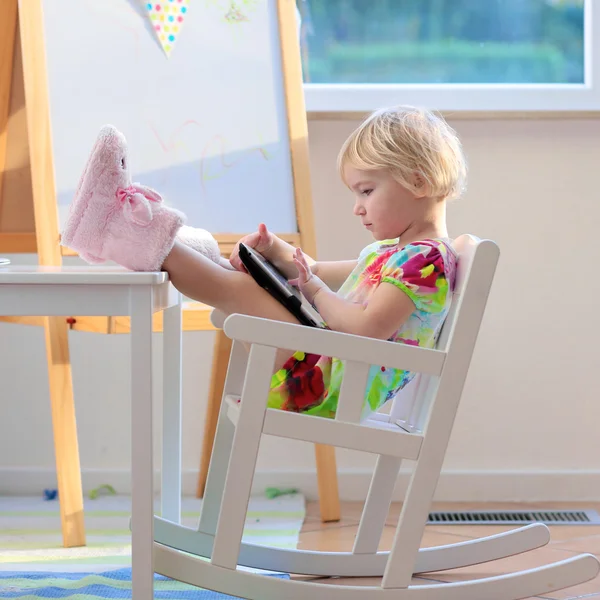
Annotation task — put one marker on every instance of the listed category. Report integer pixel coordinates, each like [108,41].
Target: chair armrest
[217,318]
[343,346]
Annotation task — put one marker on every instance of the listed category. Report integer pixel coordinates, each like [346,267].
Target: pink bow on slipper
[136,203]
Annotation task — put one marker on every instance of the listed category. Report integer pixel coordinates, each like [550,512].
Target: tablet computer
[272,280]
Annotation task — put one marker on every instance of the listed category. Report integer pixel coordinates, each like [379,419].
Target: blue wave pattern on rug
[88,586]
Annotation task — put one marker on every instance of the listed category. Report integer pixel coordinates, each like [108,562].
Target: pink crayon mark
[171,143]
[224,163]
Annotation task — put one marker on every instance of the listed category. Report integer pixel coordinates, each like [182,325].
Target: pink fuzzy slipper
[113,219]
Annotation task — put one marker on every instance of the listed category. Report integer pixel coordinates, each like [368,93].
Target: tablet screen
[272,280]
[273,271]
[275,276]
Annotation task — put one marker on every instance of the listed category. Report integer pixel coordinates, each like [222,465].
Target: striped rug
[30,537]
[96,586]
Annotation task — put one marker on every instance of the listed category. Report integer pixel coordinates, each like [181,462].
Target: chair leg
[217,472]
[222,350]
[329,498]
[242,462]
[221,451]
[325,455]
[377,506]
[66,447]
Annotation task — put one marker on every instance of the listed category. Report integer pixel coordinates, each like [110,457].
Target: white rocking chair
[418,428]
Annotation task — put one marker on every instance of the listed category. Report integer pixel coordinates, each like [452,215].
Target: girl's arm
[333,273]
[387,310]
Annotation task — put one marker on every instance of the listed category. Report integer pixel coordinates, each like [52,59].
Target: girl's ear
[420,185]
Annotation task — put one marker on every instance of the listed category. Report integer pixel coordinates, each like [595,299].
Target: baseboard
[453,486]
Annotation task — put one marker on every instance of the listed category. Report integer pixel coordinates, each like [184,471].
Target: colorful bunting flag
[167,17]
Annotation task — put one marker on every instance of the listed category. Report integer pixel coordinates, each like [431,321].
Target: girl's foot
[113,219]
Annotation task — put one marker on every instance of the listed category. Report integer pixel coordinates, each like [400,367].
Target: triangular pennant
[167,17]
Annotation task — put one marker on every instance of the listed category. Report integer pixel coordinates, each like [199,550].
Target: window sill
[471,115]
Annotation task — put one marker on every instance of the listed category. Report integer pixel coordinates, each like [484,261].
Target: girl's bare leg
[199,278]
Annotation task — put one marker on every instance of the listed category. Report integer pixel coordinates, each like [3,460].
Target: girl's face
[386,208]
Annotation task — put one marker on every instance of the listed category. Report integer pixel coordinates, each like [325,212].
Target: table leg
[142,489]
[170,491]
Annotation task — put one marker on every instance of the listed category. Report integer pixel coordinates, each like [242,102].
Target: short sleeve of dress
[367,250]
[419,270]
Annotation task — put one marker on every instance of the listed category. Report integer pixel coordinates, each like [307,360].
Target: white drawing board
[207,126]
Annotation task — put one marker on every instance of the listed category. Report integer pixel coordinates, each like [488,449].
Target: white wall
[528,424]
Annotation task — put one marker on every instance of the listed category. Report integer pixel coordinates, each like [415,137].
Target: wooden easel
[27,178]
[29,224]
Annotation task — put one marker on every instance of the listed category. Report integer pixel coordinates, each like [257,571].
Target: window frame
[353,98]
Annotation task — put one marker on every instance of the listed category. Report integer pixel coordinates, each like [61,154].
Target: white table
[108,291]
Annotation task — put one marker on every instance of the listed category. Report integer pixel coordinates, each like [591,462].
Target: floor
[566,541]
[31,538]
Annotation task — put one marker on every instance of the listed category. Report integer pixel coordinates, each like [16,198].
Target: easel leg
[8,28]
[329,497]
[46,227]
[66,448]
[222,350]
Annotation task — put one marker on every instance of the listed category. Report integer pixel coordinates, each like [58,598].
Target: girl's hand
[308,283]
[260,240]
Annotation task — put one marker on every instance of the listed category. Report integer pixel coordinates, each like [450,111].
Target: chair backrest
[411,405]
[466,247]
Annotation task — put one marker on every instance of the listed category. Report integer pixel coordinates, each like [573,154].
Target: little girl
[402,164]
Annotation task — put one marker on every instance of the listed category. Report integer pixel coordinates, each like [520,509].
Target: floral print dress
[425,271]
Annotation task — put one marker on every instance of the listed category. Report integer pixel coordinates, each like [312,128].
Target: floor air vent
[515,517]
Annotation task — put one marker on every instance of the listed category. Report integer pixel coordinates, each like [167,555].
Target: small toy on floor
[50,494]
[272,492]
[105,489]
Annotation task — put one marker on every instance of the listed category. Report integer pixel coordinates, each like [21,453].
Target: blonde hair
[407,140]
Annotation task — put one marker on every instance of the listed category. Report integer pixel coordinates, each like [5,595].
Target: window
[450,54]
